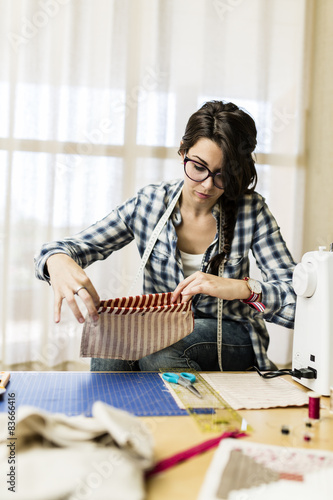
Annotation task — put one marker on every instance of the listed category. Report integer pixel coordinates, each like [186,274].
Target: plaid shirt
[255,230]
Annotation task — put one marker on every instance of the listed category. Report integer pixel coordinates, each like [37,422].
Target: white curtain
[94,98]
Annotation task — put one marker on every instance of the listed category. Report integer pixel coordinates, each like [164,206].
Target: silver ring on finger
[80,288]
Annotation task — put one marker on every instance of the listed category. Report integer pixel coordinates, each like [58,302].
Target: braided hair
[234,131]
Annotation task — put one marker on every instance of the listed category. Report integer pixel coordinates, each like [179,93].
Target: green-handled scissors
[184,379]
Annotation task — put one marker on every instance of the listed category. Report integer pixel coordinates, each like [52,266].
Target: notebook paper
[248,391]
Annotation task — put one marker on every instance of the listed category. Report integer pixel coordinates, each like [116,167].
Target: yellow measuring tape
[212,413]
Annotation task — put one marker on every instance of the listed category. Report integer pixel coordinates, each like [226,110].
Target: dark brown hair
[234,131]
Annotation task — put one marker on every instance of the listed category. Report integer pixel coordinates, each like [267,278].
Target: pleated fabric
[133,327]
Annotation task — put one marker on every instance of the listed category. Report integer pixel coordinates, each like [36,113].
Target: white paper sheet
[250,391]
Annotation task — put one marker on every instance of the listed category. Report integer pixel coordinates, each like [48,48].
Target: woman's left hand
[209,284]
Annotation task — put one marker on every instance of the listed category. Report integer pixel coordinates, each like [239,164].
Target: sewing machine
[313,332]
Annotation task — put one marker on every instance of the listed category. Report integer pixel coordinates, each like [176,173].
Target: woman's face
[204,193]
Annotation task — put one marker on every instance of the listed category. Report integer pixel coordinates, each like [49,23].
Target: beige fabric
[75,458]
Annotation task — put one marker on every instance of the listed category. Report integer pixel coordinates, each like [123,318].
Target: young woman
[202,252]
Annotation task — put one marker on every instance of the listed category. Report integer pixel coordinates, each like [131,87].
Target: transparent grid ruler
[212,413]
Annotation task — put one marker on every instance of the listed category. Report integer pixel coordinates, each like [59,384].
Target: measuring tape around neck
[150,246]
[220,301]
[158,228]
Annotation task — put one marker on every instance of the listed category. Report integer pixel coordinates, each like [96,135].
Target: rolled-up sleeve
[276,265]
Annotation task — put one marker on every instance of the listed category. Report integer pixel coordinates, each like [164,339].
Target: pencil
[166,463]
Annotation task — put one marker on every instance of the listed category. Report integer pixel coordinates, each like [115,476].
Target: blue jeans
[198,351]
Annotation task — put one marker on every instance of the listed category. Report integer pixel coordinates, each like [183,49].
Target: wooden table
[174,434]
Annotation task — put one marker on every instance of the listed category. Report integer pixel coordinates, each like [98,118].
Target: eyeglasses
[199,173]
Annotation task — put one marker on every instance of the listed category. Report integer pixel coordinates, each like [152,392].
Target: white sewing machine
[313,332]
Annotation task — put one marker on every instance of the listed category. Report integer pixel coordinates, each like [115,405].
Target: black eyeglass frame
[209,174]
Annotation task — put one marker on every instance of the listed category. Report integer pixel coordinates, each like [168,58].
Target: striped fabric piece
[133,327]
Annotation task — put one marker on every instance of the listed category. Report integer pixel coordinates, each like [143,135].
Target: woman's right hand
[66,278]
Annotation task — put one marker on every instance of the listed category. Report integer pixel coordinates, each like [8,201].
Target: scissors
[184,379]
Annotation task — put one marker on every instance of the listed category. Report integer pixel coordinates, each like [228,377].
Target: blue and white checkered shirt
[255,230]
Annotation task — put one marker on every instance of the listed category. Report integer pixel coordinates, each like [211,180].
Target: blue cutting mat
[73,393]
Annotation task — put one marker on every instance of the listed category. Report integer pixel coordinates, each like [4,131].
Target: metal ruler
[212,413]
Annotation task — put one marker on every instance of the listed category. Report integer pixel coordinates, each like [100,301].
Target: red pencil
[166,463]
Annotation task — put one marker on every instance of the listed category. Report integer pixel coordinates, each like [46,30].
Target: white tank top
[191,262]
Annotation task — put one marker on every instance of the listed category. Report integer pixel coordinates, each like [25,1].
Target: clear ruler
[212,413]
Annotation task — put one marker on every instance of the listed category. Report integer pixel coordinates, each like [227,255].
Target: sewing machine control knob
[305,279]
